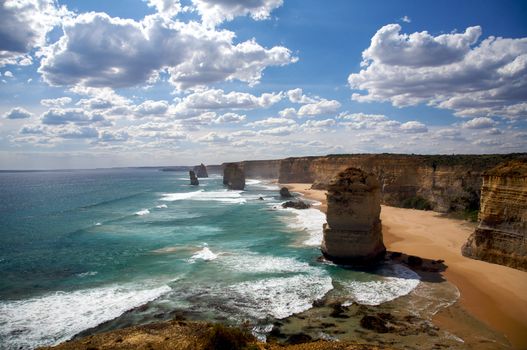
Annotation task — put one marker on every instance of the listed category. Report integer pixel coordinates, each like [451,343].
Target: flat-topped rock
[234,176]
[353,233]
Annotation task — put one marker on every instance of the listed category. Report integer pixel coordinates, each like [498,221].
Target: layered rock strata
[234,176]
[193,179]
[201,170]
[501,235]
[352,234]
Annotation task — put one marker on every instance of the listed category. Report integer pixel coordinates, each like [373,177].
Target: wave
[142,212]
[54,318]
[87,274]
[204,254]
[262,184]
[308,220]
[161,206]
[390,282]
[225,196]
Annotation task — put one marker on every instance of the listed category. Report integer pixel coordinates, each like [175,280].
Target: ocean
[101,249]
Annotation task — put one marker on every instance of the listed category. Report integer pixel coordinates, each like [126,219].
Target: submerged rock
[284,192]
[193,179]
[201,170]
[352,234]
[234,176]
[296,205]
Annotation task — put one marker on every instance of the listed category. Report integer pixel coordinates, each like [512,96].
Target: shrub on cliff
[417,202]
[223,337]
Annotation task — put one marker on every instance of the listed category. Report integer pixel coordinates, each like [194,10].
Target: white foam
[204,254]
[224,196]
[86,274]
[142,212]
[54,318]
[392,282]
[161,206]
[254,263]
[308,220]
[262,184]
[98,224]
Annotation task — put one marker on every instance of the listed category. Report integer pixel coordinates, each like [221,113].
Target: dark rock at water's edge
[352,234]
[234,176]
[193,179]
[296,205]
[284,192]
[201,170]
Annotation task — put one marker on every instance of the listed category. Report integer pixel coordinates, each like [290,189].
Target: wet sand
[495,295]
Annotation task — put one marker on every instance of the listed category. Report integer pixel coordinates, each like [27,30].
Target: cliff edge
[501,235]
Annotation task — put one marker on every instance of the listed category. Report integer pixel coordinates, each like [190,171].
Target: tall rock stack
[501,235]
[352,234]
[201,170]
[234,176]
[193,179]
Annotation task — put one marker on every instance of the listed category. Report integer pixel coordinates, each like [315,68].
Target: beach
[493,294]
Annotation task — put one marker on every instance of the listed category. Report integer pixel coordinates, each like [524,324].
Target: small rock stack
[193,179]
[352,234]
[201,171]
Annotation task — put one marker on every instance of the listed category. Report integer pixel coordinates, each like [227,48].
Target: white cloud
[319,108]
[279,131]
[414,127]
[288,113]
[8,74]
[150,107]
[214,12]
[97,50]
[76,132]
[479,123]
[297,96]
[230,118]
[271,122]
[406,19]
[56,102]
[169,8]
[18,113]
[24,25]
[318,125]
[113,136]
[447,71]
[213,137]
[58,116]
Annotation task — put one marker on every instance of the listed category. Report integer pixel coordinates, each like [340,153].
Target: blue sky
[162,82]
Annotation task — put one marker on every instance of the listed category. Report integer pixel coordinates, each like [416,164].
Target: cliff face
[201,170]
[501,236]
[353,230]
[234,176]
[266,169]
[444,183]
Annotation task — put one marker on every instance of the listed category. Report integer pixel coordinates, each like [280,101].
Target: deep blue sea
[80,248]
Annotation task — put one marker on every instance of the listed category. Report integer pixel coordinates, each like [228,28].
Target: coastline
[492,294]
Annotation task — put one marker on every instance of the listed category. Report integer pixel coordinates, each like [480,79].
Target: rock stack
[284,192]
[352,234]
[193,179]
[501,235]
[234,176]
[201,170]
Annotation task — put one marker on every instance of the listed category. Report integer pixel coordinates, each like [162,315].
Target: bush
[417,202]
[223,337]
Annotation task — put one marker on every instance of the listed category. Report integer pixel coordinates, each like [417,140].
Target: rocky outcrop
[284,192]
[443,183]
[296,205]
[193,179]
[501,235]
[352,234]
[201,170]
[234,176]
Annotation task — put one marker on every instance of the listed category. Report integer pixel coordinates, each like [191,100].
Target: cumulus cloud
[113,136]
[318,125]
[414,127]
[97,50]
[56,102]
[76,132]
[447,71]
[297,96]
[151,108]
[58,116]
[24,25]
[288,113]
[479,123]
[214,12]
[271,122]
[213,137]
[18,113]
[8,74]
[230,118]
[166,7]
[319,108]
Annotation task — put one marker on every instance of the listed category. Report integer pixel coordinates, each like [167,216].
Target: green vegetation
[417,202]
[223,337]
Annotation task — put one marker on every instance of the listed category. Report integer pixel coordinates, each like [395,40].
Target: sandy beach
[493,294]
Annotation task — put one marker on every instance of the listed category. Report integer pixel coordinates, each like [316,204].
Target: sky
[87,84]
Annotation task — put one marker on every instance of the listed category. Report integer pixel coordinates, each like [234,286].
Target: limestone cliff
[353,230]
[443,183]
[193,179]
[234,176]
[501,235]
[201,170]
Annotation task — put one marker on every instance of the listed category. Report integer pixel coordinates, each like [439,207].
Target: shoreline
[493,295]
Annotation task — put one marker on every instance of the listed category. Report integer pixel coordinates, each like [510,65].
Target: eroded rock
[234,176]
[193,179]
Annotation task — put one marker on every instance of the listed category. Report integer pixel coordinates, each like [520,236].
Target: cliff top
[515,168]
[353,179]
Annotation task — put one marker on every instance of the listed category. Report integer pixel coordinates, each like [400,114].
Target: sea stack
[193,179]
[501,235]
[201,170]
[234,176]
[352,234]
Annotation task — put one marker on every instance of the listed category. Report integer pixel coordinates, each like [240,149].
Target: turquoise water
[81,248]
